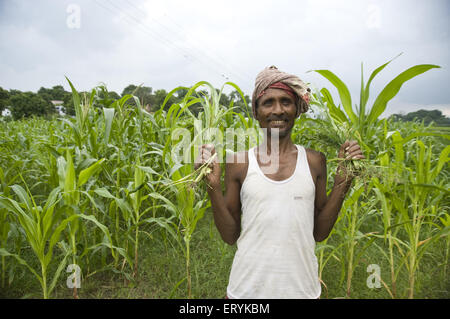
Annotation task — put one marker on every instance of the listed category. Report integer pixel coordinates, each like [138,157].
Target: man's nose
[277,108]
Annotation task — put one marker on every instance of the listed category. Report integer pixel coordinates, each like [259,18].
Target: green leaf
[335,112]
[106,232]
[88,172]
[148,170]
[344,93]
[23,196]
[431,186]
[27,223]
[372,76]
[69,182]
[109,116]
[104,193]
[398,144]
[362,97]
[393,87]
[61,266]
[443,159]
[76,103]
[48,211]
[175,287]
[4,252]
[55,238]
[169,204]
[164,223]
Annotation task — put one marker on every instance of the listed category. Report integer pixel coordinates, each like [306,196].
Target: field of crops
[108,205]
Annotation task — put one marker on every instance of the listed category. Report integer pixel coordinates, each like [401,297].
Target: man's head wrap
[272,77]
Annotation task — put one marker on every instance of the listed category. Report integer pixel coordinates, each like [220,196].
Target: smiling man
[276,215]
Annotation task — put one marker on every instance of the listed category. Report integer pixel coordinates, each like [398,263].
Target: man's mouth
[277,122]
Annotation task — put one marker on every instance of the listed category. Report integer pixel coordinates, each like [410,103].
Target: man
[275,205]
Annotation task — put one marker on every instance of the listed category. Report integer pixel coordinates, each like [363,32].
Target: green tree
[243,106]
[104,98]
[4,99]
[55,93]
[68,106]
[113,95]
[160,96]
[130,89]
[427,116]
[143,93]
[181,93]
[28,103]
[225,100]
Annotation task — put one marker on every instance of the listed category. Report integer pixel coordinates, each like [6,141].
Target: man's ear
[297,112]
[299,107]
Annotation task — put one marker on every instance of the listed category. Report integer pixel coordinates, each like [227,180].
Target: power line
[149,32]
[194,51]
[244,76]
[144,29]
[168,43]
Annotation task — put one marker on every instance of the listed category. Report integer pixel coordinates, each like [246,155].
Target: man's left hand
[350,150]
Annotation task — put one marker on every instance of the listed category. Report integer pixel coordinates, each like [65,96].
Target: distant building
[6,112]
[58,106]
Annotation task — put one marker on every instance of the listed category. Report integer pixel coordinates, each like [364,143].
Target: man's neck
[285,145]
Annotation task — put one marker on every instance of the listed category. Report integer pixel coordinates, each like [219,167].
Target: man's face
[276,109]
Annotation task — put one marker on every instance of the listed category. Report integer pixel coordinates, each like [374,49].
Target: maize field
[107,204]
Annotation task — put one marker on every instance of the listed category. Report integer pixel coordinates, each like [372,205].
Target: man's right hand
[206,151]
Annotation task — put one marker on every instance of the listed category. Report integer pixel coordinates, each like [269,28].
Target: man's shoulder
[315,157]
[312,152]
[236,159]
[237,164]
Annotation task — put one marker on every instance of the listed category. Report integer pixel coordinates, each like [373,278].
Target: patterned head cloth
[271,77]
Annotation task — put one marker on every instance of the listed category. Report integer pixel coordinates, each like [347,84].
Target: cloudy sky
[165,44]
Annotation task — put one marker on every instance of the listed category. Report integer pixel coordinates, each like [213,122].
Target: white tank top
[275,251]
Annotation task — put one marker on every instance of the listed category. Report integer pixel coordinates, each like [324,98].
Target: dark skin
[277,112]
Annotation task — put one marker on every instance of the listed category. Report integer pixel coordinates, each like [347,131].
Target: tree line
[427,116]
[26,104]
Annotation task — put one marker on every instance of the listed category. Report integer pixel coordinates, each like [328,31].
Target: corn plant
[43,227]
[385,196]
[71,187]
[131,206]
[416,209]
[4,231]
[445,222]
[324,256]
[190,205]
[355,243]
[188,210]
[4,224]
[365,121]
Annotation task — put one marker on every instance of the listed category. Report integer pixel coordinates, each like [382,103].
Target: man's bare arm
[327,208]
[226,209]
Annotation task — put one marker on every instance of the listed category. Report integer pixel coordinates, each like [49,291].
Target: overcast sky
[165,44]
